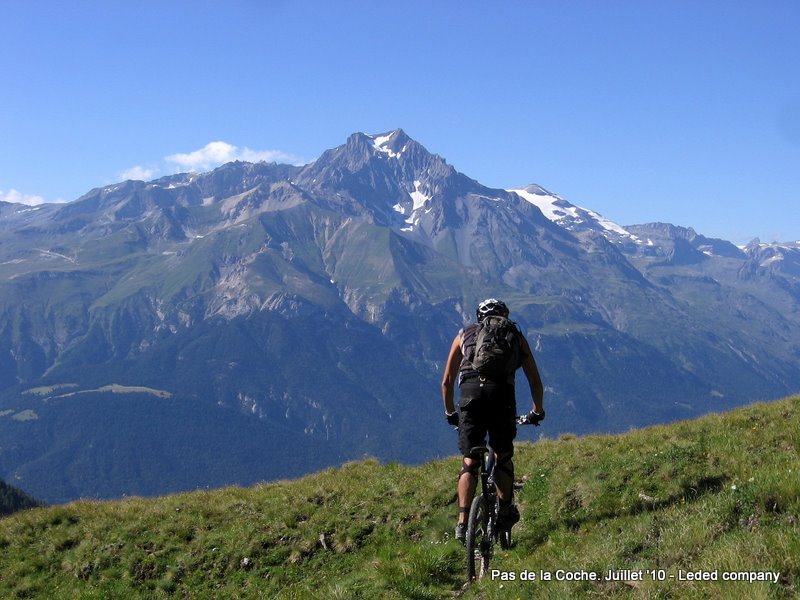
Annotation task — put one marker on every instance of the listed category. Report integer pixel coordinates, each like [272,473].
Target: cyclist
[486,406]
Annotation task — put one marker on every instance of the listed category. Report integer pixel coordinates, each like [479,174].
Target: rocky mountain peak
[393,144]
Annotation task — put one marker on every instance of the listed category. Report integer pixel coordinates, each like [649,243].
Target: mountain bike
[482,530]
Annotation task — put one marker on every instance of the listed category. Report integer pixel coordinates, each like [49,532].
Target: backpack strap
[467,335]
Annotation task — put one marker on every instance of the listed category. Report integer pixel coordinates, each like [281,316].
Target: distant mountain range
[263,320]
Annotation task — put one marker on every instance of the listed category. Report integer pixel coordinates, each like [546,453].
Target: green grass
[718,495]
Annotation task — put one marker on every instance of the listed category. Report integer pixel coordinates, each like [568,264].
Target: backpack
[497,348]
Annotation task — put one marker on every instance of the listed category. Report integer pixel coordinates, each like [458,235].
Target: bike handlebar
[532,418]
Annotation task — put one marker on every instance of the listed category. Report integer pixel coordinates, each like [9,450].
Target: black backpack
[497,348]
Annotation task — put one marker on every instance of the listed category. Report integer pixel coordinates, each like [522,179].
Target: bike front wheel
[479,542]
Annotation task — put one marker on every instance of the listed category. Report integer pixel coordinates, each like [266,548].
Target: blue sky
[683,112]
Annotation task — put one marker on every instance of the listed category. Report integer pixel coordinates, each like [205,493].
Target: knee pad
[472,469]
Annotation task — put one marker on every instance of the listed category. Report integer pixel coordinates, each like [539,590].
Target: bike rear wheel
[478,543]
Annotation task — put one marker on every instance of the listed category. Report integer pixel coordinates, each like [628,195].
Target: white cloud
[215,154]
[138,173]
[18,197]
[206,158]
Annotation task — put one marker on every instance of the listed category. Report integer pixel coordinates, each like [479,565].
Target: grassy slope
[718,494]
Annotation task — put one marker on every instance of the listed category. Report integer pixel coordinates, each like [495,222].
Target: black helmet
[492,307]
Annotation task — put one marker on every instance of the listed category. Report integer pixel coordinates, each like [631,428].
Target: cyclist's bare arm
[451,374]
[534,379]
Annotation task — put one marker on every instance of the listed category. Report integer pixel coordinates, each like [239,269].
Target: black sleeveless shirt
[468,335]
[468,342]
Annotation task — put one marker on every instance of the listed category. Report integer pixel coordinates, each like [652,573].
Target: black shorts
[486,407]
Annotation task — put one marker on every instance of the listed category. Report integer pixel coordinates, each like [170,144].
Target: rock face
[265,320]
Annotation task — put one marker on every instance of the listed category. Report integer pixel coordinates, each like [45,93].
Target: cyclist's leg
[471,432]
[504,477]
[508,514]
[467,482]
[502,432]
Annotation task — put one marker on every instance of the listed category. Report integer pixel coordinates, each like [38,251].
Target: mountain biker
[487,406]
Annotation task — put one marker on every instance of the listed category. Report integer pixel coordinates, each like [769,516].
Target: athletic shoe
[461,533]
[507,517]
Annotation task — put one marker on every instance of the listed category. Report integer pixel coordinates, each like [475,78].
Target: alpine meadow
[708,508]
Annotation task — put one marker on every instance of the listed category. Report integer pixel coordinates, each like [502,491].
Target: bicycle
[482,530]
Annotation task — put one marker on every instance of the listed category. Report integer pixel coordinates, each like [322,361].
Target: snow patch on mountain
[418,201]
[382,144]
[771,259]
[418,197]
[568,215]
[552,206]
[607,224]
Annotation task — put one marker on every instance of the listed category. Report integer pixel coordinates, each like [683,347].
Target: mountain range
[261,320]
